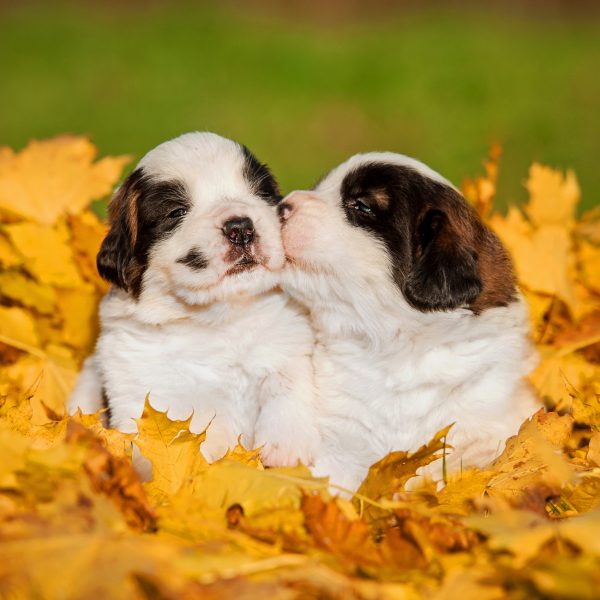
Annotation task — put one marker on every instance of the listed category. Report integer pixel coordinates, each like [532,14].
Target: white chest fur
[465,370]
[211,364]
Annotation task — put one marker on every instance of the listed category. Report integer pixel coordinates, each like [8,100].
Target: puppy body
[390,370]
[231,365]
[194,319]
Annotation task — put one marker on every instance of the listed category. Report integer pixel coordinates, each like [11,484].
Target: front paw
[287,451]
[274,455]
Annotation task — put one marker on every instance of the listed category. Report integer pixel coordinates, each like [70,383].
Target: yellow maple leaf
[116,442]
[552,196]
[461,489]
[585,495]
[523,533]
[17,329]
[47,375]
[518,531]
[390,474]
[269,500]
[52,378]
[257,490]
[9,257]
[18,414]
[532,460]
[543,257]
[53,177]
[243,455]
[593,454]
[171,447]
[16,286]
[589,264]
[540,312]
[79,312]
[13,448]
[87,233]
[568,382]
[48,256]
[481,191]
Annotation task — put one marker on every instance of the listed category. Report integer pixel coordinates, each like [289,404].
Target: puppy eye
[359,206]
[177,213]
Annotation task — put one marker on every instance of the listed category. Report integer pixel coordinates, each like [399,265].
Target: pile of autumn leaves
[76,522]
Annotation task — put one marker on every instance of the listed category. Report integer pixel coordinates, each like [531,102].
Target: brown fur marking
[495,267]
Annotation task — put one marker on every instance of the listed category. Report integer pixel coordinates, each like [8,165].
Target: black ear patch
[115,261]
[260,178]
[143,211]
[442,255]
[445,272]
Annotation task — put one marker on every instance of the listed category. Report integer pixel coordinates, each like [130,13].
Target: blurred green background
[306,84]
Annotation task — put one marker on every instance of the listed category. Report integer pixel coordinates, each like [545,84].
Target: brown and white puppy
[194,318]
[417,317]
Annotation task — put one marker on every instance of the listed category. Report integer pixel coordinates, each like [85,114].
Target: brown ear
[115,261]
[445,272]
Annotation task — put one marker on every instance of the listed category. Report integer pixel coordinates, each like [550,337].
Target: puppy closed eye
[360,206]
[178,213]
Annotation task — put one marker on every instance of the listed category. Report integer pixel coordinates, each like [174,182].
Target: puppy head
[197,219]
[384,223]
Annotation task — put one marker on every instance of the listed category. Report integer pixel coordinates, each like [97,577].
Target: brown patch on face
[496,272]
[123,208]
[132,216]
[380,198]
[458,231]
[115,260]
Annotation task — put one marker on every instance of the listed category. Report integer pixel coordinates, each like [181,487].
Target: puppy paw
[276,455]
[281,450]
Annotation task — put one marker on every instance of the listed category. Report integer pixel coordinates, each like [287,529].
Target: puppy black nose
[239,231]
[285,210]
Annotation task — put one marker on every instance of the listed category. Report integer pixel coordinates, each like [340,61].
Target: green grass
[440,87]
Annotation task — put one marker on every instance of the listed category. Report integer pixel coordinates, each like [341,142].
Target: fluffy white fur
[389,376]
[230,350]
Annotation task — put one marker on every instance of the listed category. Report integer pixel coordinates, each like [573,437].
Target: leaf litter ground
[77,522]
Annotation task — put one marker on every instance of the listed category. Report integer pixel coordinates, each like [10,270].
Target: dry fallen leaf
[390,474]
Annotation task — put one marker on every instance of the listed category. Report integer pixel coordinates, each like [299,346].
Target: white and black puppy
[418,320]
[194,318]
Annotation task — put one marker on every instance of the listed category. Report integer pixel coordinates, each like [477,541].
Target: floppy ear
[116,261]
[445,271]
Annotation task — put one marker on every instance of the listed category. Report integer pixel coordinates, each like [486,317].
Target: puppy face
[383,223]
[196,218]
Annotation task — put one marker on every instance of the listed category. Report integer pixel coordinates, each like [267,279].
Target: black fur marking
[194,259]
[106,406]
[260,178]
[139,218]
[433,237]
